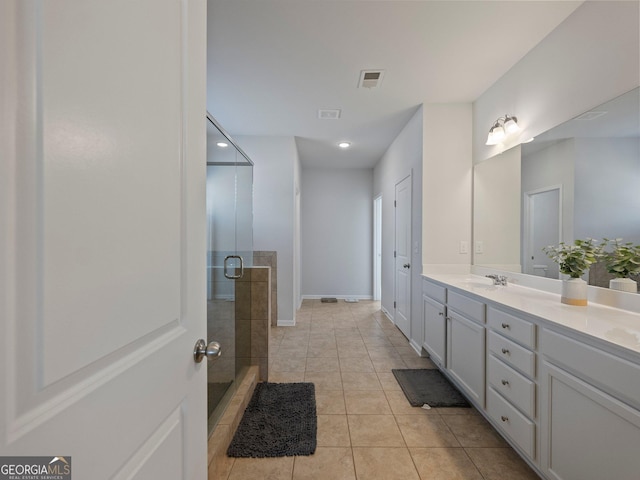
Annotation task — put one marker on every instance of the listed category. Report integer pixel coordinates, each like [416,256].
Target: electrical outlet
[464,246]
[479,247]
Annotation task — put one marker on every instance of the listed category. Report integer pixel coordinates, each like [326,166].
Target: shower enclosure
[229,252]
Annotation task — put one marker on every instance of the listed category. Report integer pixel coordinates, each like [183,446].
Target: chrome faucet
[498,279]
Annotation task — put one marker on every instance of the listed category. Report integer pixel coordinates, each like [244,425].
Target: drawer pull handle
[504,419]
[505,351]
[506,325]
[505,382]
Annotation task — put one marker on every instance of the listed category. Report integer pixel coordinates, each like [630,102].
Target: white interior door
[377,248]
[102,251]
[542,228]
[402,269]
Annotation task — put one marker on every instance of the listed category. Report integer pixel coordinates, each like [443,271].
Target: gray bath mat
[429,386]
[280,421]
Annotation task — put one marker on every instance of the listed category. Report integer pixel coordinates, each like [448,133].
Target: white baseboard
[384,310]
[341,297]
[286,323]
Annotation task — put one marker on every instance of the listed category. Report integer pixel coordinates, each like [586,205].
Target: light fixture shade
[502,127]
[490,139]
[511,124]
[496,134]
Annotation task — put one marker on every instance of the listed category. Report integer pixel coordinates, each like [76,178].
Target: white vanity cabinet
[590,422]
[466,344]
[454,337]
[511,377]
[434,297]
[560,383]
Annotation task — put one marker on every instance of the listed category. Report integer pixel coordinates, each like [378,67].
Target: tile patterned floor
[366,428]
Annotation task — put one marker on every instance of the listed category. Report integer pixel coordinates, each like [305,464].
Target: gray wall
[403,156]
[337,232]
[274,222]
[607,188]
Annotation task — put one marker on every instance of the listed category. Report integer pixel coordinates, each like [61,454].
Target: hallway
[366,428]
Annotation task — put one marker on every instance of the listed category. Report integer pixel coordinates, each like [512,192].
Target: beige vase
[623,285]
[574,292]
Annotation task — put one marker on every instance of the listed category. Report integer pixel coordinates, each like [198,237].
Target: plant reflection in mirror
[575,259]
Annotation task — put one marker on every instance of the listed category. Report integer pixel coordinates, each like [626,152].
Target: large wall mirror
[580,179]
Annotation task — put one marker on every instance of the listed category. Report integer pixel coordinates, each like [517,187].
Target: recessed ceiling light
[529,141]
[344,144]
[222,144]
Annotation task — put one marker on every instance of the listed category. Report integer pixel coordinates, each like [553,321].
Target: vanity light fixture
[222,144]
[344,144]
[502,127]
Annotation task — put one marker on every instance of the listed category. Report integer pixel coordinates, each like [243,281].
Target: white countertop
[614,326]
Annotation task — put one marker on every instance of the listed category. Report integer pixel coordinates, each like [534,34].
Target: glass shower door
[229,253]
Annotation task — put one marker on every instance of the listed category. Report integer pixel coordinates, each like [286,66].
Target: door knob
[202,350]
[406,265]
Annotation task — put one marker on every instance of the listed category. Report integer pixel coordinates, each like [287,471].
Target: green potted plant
[574,260]
[622,261]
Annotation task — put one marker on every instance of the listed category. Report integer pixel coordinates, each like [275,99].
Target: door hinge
[395,204]
[394,254]
[394,304]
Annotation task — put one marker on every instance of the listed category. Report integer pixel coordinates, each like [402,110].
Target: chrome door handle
[406,265]
[233,277]
[202,350]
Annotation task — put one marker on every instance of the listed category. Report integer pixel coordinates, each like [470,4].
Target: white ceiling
[273,63]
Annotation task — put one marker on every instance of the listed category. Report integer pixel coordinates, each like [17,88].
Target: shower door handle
[233,277]
[202,350]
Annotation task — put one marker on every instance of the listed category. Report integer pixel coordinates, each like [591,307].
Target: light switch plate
[479,246]
[464,246]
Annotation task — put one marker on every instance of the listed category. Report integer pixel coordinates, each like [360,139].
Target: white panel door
[102,251]
[435,330]
[466,355]
[543,225]
[402,316]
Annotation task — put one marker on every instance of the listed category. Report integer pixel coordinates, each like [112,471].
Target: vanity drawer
[612,374]
[517,388]
[517,427]
[512,353]
[437,292]
[473,309]
[522,331]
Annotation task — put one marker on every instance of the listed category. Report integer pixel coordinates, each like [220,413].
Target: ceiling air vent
[370,78]
[329,113]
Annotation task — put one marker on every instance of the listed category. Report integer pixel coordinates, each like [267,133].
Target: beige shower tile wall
[253,318]
[263,258]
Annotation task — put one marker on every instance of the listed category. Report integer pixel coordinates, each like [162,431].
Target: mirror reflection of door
[542,228]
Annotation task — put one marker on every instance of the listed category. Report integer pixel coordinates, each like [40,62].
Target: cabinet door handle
[441,314]
[506,326]
[505,351]
[505,382]
[504,419]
